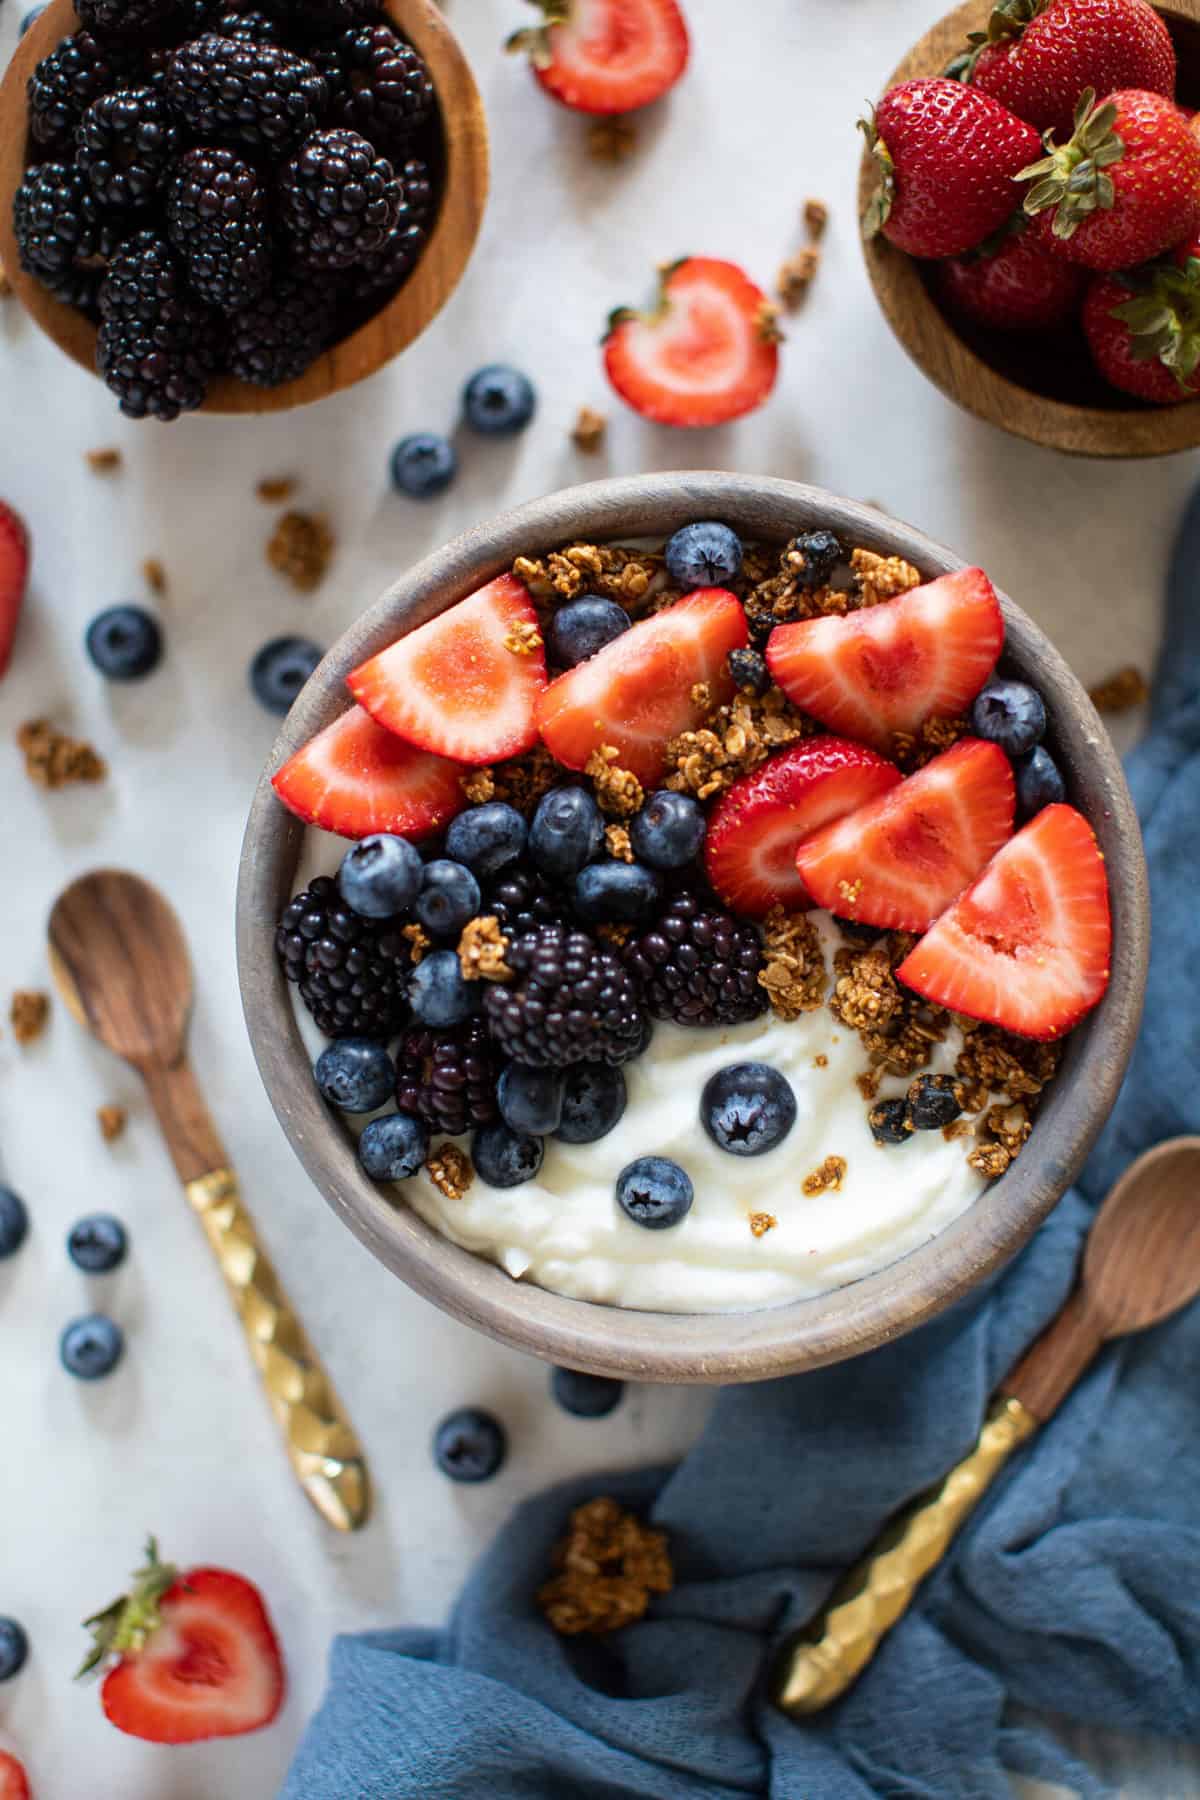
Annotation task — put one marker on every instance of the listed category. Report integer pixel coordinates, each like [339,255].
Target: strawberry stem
[533,41]
[1006,25]
[651,315]
[880,204]
[1163,317]
[123,1628]
[1071,176]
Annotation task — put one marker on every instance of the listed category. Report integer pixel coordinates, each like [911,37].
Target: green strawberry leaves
[1071,177]
[1163,317]
[1006,24]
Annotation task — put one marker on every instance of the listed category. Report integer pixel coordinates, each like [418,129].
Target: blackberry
[449,1078]
[699,965]
[217,218]
[351,972]
[322,17]
[256,27]
[61,236]
[236,91]
[63,86]
[280,334]
[378,85]
[143,20]
[125,142]
[384,269]
[339,200]
[158,344]
[749,669]
[570,1001]
[821,552]
[521,899]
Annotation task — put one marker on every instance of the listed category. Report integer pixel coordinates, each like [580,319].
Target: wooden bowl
[711,1348]
[464,184]
[1047,389]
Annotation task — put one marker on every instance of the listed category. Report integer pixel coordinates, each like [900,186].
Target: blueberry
[380,876]
[125,642]
[487,838]
[35,12]
[91,1348]
[505,1158]
[423,465]
[932,1103]
[704,555]
[355,1074]
[654,1192]
[437,992]
[820,553]
[1011,714]
[470,1445]
[280,669]
[394,1147]
[889,1122]
[668,831]
[1039,782]
[531,1100]
[747,1108]
[498,401]
[611,892]
[98,1244]
[583,626]
[14,1648]
[566,833]
[593,1100]
[14,1222]
[449,897]
[749,670]
[586,1396]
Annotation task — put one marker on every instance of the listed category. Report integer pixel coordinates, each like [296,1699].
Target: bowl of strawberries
[1030,197]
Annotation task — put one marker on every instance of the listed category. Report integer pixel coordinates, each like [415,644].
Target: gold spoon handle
[820,1663]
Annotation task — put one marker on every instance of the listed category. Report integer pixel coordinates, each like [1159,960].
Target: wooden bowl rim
[386,333]
[701,1348]
[931,341]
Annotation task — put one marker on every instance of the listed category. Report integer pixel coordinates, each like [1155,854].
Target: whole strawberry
[1143,329]
[948,159]
[1013,285]
[1037,56]
[1124,188]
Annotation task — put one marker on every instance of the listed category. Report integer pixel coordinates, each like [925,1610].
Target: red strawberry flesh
[1017,288]
[14,1783]
[14,575]
[1040,70]
[355,778]
[611,56]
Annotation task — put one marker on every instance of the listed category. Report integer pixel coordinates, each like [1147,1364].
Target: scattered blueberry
[1039,782]
[98,1244]
[505,1158]
[14,1222]
[449,897]
[380,876]
[704,555]
[91,1347]
[14,1648]
[747,1108]
[355,1074]
[423,465]
[498,401]
[668,831]
[582,627]
[437,992]
[566,833]
[393,1148]
[470,1445]
[35,12]
[586,1396]
[280,669]
[608,892]
[125,642]
[487,838]
[749,669]
[593,1100]
[889,1122]
[531,1100]
[932,1103]
[654,1192]
[1011,714]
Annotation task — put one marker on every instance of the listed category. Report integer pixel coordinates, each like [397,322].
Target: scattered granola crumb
[882,577]
[111,1120]
[590,428]
[820,1061]
[28,1015]
[523,639]
[701,694]
[273,490]
[154,575]
[868,1083]
[616,839]
[607,1567]
[766,323]
[634,578]
[793,971]
[829,1176]
[735,738]
[796,276]
[103,462]
[419,941]
[450,1170]
[479,785]
[912,750]
[522,781]
[300,548]
[54,760]
[611,139]
[1126,688]
[618,793]
[816,217]
[614,932]
[762,1222]
[482,949]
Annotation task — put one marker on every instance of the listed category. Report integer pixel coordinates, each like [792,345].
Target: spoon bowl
[1143,1253]
[121,964]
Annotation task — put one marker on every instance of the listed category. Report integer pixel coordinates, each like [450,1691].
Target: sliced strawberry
[1028,946]
[14,1783]
[637,692]
[708,351]
[464,685]
[355,778]
[14,574]
[606,56]
[899,861]
[755,828]
[890,667]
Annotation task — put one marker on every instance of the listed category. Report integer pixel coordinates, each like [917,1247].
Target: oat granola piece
[482,949]
[300,549]
[793,971]
[616,840]
[882,577]
[866,996]
[607,1567]
[816,217]
[419,942]
[912,750]
[898,1029]
[54,760]
[762,1222]
[523,639]
[523,780]
[103,462]
[735,739]
[450,1170]
[820,1061]
[828,1178]
[1126,688]
[28,1015]
[611,139]
[868,1083]
[589,431]
[479,785]
[111,1120]
[273,490]
[634,578]
[618,792]
[994,1061]
[778,587]
[154,575]
[796,276]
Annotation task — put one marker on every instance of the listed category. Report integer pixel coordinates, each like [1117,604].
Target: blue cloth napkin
[1074,1589]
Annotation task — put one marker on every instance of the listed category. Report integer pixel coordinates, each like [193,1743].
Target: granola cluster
[618,844]
[618,793]
[793,971]
[54,760]
[636,579]
[520,782]
[300,549]
[450,1170]
[912,750]
[482,949]
[607,1567]
[1000,1134]
[762,1222]
[523,639]
[111,1120]
[882,577]
[28,1015]
[735,739]
[828,1178]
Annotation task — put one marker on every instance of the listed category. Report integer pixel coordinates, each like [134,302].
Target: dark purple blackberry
[125,142]
[378,85]
[230,90]
[217,218]
[284,331]
[61,235]
[384,269]
[339,200]
[258,27]
[699,965]
[145,21]
[63,86]
[158,344]
[521,899]
[821,552]
[352,972]
[320,18]
[448,1078]
[569,1001]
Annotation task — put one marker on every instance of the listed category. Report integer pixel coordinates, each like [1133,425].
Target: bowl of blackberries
[237,205]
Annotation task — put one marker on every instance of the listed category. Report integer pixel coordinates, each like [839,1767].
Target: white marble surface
[178,1440]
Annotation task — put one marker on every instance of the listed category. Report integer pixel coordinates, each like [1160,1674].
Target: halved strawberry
[899,861]
[466,684]
[755,828]
[707,352]
[637,692]
[14,574]
[192,1654]
[606,56]
[890,667]
[355,778]
[14,1783]
[1028,946]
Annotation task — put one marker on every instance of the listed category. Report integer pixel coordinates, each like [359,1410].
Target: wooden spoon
[1141,1263]
[121,963]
